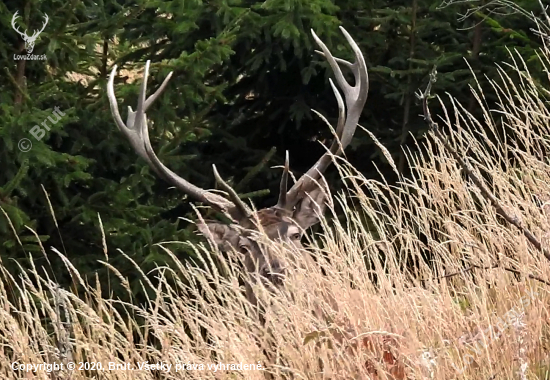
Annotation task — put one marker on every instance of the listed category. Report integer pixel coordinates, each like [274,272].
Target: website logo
[29,40]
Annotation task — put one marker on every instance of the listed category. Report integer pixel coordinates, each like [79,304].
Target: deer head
[296,210]
[29,41]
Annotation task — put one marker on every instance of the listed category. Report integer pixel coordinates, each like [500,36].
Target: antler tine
[243,208]
[338,60]
[137,133]
[284,184]
[355,96]
[341,117]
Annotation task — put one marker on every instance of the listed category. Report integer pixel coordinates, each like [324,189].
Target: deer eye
[296,236]
[243,248]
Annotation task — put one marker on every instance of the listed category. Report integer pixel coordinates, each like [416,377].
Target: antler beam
[355,96]
[137,133]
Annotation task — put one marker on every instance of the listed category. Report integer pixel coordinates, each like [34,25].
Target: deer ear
[308,210]
[222,235]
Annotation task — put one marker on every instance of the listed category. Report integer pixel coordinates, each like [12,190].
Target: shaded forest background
[245,81]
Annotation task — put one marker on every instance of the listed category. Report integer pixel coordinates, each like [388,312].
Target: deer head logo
[29,41]
[297,208]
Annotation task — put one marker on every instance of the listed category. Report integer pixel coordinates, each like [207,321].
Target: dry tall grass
[377,300]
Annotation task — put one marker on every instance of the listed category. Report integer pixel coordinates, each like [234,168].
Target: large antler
[136,131]
[355,96]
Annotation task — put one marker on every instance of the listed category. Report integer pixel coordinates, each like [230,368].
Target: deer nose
[274,273]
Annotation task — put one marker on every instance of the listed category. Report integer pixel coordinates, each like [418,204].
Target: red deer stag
[296,210]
